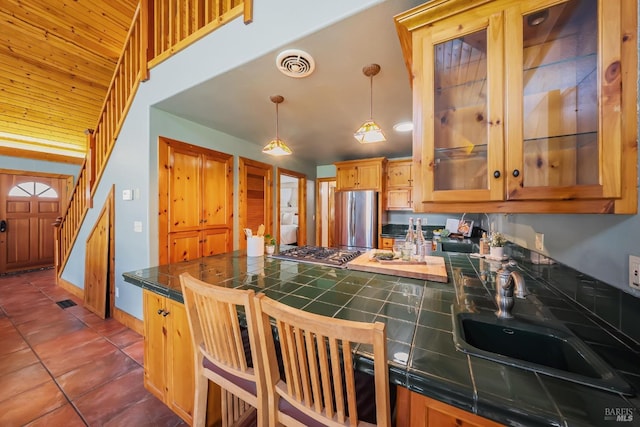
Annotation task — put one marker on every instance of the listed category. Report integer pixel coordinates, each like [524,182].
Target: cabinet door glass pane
[560,123]
[460,112]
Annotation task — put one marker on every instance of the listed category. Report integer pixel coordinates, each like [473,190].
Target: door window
[31,188]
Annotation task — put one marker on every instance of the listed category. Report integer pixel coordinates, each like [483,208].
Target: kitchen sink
[530,345]
[453,246]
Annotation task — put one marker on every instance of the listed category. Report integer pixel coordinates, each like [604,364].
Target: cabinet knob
[165,313]
[496,174]
[516,173]
[161,311]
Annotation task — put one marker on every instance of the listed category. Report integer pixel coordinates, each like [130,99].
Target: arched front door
[29,205]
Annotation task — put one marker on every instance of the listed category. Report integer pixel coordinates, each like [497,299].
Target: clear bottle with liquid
[484,244]
[419,239]
[409,242]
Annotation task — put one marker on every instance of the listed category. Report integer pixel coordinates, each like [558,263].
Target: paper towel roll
[255,246]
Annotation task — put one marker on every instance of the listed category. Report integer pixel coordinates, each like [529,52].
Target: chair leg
[200,399]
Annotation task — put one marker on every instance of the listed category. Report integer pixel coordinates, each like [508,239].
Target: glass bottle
[484,244]
[419,239]
[409,240]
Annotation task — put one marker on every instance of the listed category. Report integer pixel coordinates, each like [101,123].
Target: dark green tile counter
[422,355]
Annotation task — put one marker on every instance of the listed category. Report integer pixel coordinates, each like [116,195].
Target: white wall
[32,165]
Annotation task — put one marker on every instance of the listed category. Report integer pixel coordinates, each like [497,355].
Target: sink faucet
[508,280]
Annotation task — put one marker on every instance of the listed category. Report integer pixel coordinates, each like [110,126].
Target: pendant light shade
[369,131]
[277,147]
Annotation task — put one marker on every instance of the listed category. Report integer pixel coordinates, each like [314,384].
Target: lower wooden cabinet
[386,243]
[168,355]
[168,358]
[416,410]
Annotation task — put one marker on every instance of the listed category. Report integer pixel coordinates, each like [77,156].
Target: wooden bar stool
[319,386]
[225,352]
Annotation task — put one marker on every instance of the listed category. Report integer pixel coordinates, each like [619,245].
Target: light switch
[127,195]
[137,226]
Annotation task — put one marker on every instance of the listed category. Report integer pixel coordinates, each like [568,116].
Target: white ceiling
[321,112]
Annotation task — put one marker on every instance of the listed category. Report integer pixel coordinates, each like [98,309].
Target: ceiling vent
[295,63]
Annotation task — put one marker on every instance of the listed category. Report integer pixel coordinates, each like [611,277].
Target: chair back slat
[318,363]
[312,356]
[221,353]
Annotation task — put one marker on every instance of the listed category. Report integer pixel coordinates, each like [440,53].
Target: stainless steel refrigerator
[357,219]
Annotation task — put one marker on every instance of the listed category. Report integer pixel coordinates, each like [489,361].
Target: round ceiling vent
[295,63]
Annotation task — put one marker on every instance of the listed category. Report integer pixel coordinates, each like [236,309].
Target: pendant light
[369,131]
[277,147]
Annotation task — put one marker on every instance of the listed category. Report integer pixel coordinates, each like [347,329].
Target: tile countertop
[422,355]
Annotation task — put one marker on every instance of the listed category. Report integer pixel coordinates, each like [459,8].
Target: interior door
[96,272]
[29,205]
[256,204]
[325,212]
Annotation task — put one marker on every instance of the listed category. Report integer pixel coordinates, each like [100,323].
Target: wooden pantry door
[256,200]
[195,200]
[29,205]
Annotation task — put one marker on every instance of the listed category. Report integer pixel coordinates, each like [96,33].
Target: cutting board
[432,269]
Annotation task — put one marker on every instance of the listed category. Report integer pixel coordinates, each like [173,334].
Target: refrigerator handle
[352,224]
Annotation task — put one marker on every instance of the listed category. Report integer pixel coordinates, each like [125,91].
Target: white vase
[270,249]
[496,252]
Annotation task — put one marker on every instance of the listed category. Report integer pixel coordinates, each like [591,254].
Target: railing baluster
[159,29]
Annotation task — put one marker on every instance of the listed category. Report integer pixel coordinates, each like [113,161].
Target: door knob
[3,226]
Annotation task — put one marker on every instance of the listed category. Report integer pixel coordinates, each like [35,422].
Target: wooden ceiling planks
[57,59]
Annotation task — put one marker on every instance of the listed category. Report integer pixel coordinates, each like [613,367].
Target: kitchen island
[423,360]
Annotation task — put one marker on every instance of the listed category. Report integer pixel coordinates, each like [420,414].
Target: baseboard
[123,317]
[70,287]
[129,321]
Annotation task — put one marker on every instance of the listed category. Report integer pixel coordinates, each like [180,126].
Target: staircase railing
[159,29]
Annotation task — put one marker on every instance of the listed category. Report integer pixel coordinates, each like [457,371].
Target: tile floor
[67,367]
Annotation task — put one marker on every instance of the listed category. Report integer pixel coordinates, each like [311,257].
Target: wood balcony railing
[159,29]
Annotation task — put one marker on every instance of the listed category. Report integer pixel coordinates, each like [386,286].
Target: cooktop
[319,255]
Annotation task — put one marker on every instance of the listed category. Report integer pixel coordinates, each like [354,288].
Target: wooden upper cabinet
[363,174]
[518,105]
[196,210]
[399,185]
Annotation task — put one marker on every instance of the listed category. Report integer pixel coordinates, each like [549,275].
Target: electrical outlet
[634,272]
[539,241]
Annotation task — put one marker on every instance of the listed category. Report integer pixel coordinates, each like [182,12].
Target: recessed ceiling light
[403,127]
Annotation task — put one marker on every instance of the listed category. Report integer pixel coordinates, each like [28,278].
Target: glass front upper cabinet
[519,106]
[553,89]
[463,110]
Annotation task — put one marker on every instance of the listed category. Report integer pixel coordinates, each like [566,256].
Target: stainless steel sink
[453,246]
[529,345]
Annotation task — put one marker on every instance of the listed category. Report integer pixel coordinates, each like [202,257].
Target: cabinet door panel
[216,201]
[462,144]
[347,178]
[554,92]
[215,241]
[399,199]
[399,174]
[154,344]
[369,177]
[180,361]
[184,190]
[184,246]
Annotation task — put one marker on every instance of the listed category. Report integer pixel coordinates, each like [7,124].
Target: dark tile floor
[67,367]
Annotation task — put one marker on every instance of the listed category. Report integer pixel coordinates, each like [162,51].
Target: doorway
[291,207]
[325,212]
[29,205]
[255,200]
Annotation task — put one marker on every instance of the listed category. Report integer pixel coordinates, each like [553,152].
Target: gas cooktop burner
[317,255]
